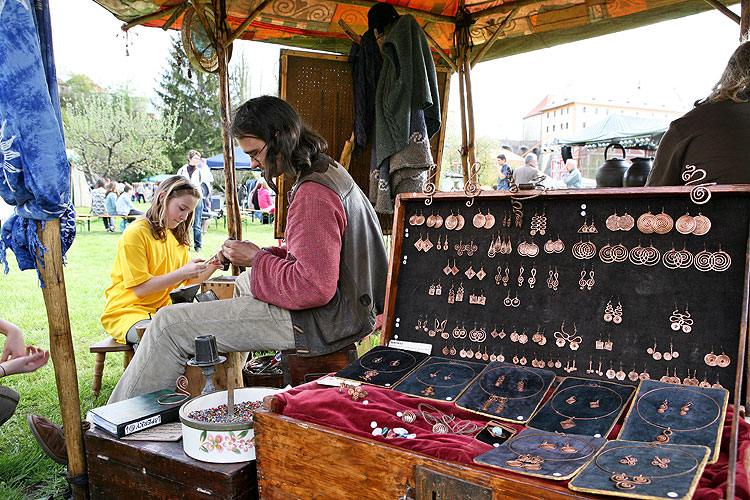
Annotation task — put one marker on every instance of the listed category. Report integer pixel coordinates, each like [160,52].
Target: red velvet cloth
[326,406]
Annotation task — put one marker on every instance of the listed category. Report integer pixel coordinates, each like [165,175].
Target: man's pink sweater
[303,273]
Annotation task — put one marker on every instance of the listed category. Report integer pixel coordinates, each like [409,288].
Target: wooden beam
[198,7]
[502,9]
[242,27]
[176,15]
[724,10]
[440,51]
[150,17]
[61,349]
[492,39]
[744,20]
[427,16]
[349,31]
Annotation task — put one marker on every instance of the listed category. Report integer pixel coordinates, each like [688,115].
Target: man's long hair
[291,146]
[735,81]
[156,215]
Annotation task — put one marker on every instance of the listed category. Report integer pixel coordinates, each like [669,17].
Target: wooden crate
[296,458]
[148,470]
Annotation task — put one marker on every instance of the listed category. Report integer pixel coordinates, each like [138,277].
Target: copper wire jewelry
[556,246]
[460,292]
[692,176]
[625,482]
[584,250]
[663,407]
[506,277]
[539,224]
[553,281]
[686,408]
[677,259]
[644,256]
[532,279]
[712,261]
[520,274]
[181,392]
[478,220]
[450,222]
[481,274]
[681,321]
[546,445]
[528,249]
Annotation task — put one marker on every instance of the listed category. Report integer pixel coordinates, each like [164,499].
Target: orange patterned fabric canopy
[533,25]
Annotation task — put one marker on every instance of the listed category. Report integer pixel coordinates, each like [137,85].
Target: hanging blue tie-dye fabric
[35,172]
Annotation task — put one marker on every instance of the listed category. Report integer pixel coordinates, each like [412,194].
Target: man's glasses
[254,156]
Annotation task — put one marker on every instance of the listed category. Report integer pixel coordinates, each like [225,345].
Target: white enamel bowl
[217,442]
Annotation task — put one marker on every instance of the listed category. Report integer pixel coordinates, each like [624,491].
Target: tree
[117,138]
[192,98]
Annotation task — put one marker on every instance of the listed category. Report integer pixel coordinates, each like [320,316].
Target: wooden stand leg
[128,356]
[96,384]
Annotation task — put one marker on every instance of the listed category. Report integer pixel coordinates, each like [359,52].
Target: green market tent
[630,131]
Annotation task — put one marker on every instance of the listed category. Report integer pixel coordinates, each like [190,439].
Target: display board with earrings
[651,278]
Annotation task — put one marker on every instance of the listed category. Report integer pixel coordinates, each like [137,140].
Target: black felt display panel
[382,366]
[582,406]
[507,392]
[631,469]
[543,454]
[689,415]
[565,310]
[440,378]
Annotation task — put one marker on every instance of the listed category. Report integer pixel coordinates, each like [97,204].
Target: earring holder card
[440,378]
[582,406]
[507,392]
[635,469]
[382,366]
[661,410]
[549,455]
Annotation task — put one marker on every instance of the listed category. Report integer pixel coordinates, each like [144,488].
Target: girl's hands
[14,345]
[33,359]
[194,268]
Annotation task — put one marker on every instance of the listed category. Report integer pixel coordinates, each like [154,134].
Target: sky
[676,60]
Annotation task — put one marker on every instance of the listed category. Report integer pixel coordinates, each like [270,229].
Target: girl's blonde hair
[156,215]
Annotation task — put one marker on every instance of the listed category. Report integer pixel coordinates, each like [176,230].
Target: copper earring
[663,407]
[684,410]
[568,449]
[548,446]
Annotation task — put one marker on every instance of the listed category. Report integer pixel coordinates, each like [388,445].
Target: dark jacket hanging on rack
[407,114]
[366,61]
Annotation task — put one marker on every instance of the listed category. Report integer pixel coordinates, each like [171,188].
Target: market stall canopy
[630,131]
[241,161]
[315,24]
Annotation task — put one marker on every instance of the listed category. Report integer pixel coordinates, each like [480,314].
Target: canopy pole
[462,96]
[469,105]
[724,10]
[234,220]
[150,17]
[744,20]
[242,27]
[61,350]
[494,36]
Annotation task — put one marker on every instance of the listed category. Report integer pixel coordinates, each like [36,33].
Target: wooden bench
[101,349]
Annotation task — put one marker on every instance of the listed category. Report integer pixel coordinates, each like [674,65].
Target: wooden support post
[234,220]
[349,31]
[462,101]
[61,349]
[744,20]
[469,107]
[176,15]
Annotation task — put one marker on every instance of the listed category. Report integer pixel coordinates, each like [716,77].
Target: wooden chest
[148,470]
[572,284]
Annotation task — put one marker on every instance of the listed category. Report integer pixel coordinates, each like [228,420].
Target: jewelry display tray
[649,295]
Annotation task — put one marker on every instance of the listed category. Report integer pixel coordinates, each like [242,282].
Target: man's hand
[240,253]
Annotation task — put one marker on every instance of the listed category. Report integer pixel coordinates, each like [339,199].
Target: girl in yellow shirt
[152,260]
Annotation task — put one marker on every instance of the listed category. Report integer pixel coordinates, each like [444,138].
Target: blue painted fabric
[35,171]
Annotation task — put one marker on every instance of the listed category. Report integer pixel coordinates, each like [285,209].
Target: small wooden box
[295,457]
[149,470]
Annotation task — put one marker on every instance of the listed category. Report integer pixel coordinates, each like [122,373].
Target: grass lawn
[25,472]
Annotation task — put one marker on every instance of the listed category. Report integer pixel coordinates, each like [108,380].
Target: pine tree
[193,98]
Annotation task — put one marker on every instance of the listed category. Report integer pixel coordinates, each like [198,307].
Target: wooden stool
[101,349]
